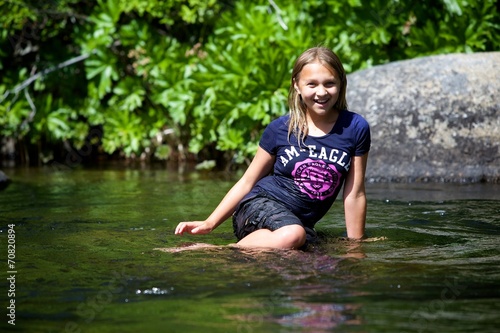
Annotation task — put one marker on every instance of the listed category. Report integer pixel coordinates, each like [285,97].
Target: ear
[296,86]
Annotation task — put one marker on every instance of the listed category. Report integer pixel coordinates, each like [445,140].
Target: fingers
[189,227]
[181,228]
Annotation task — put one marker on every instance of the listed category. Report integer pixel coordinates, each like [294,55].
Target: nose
[321,91]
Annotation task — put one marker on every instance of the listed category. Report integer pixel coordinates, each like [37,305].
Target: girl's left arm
[355,198]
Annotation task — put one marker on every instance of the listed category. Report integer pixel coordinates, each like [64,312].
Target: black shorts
[263,212]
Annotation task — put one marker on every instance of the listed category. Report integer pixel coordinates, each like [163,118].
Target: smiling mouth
[321,101]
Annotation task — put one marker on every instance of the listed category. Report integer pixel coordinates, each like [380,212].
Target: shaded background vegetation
[193,80]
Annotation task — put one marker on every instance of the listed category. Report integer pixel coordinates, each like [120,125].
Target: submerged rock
[433,118]
[4,180]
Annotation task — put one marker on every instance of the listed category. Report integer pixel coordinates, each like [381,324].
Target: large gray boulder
[433,118]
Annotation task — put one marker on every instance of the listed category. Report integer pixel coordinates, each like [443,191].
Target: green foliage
[203,74]
[461,26]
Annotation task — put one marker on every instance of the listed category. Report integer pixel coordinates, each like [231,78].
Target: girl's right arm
[261,166]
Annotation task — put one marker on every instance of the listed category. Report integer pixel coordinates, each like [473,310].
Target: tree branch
[33,109]
[38,75]
[278,14]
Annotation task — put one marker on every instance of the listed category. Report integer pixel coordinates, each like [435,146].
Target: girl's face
[319,88]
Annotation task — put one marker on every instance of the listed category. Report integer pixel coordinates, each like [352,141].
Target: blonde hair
[327,58]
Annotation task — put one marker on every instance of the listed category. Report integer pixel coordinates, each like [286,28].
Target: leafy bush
[164,77]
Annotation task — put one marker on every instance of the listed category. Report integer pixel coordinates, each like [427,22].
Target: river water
[88,258]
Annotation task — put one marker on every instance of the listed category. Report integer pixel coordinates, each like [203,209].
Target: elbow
[355,196]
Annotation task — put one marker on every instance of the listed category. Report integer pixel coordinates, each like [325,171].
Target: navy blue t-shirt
[307,179]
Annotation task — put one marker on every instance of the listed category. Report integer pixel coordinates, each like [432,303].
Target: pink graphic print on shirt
[316,178]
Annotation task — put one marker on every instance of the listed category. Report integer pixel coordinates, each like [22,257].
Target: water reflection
[76,230]
[305,284]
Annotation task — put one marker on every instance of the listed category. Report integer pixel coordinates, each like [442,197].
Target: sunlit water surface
[87,259]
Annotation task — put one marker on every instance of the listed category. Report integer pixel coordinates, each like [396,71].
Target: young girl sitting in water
[302,162]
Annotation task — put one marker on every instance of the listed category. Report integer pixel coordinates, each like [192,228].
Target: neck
[321,124]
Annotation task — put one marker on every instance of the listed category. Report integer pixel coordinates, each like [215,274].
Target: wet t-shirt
[308,178]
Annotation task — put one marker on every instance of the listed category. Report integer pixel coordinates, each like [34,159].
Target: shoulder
[359,129]
[353,119]
[280,121]
[279,124]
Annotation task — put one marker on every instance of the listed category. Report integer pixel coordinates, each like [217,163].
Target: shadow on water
[86,260]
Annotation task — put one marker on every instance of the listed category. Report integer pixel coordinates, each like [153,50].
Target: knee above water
[293,237]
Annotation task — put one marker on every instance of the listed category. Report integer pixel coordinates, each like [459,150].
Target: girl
[311,153]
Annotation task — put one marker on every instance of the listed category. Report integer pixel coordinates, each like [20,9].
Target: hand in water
[193,227]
